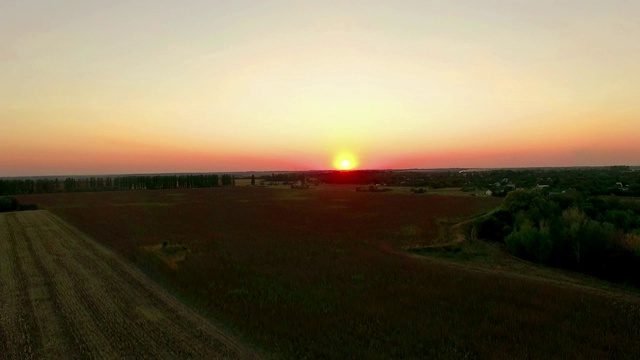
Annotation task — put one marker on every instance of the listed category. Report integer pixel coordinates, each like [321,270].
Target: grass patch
[169,254]
[446,252]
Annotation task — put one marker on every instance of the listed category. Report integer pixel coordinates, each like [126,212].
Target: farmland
[62,295]
[324,273]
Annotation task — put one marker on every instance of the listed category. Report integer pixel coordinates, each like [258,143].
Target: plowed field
[62,295]
[324,273]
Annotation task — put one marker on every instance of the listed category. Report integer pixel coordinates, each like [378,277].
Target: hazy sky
[94,87]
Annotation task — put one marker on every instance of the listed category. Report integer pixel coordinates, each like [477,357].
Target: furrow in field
[62,295]
[81,336]
[51,333]
[20,323]
[125,337]
[180,331]
[187,332]
[166,322]
[188,324]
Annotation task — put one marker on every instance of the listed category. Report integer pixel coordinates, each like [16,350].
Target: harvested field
[64,296]
[323,273]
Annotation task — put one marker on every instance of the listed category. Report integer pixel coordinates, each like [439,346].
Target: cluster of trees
[372,188]
[40,186]
[12,204]
[615,180]
[595,235]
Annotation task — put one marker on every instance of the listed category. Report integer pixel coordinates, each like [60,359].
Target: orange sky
[195,86]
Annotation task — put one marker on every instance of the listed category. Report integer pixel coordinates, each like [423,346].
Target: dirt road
[62,295]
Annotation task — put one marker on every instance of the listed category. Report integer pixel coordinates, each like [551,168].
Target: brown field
[324,273]
[64,296]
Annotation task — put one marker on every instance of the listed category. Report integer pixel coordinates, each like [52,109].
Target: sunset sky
[104,87]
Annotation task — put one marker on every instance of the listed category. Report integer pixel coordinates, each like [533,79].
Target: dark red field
[322,273]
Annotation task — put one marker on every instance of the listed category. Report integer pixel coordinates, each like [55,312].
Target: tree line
[130,182]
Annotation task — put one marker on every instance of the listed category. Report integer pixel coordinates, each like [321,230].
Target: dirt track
[514,267]
[62,295]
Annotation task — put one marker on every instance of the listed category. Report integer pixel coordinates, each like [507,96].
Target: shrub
[27,207]
[10,204]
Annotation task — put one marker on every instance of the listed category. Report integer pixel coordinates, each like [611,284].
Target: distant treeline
[615,180]
[133,182]
[12,204]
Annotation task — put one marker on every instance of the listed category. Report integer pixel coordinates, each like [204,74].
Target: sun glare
[344,161]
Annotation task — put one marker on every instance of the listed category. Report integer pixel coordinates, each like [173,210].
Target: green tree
[574,223]
[529,242]
[226,180]
[622,219]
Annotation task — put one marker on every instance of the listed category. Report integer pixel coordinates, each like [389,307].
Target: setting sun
[344,161]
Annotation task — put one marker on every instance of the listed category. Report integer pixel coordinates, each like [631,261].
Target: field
[64,296]
[324,273]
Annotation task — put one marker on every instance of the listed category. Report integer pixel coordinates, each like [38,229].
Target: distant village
[615,180]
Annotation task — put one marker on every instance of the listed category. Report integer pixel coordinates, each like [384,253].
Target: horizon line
[250,172]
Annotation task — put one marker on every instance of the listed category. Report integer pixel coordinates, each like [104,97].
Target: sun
[345,161]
